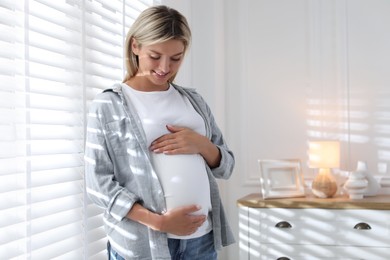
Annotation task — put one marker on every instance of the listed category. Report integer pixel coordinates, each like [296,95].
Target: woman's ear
[134,46]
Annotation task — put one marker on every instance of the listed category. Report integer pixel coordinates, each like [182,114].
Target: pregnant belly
[184,180]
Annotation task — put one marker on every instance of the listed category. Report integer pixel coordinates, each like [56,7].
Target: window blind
[55,56]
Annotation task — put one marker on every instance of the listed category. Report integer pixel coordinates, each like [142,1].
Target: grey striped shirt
[119,173]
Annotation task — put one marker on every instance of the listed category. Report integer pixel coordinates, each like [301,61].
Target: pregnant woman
[153,152]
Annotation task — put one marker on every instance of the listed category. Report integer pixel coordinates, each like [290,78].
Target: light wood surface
[254,200]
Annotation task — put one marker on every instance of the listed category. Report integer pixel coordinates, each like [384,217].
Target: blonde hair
[156,24]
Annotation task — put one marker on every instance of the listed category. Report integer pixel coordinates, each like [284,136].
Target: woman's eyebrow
[177,54]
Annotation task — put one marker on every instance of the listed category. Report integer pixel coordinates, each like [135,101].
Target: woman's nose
[164,64]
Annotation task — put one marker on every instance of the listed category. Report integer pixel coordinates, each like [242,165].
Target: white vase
[356,184]
[361,166]
[373,186]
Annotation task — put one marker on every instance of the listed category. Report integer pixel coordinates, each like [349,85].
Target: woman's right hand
[180,221]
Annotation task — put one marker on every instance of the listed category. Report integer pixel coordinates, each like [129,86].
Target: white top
[183,177]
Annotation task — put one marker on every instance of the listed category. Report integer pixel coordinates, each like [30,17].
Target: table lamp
[324,155]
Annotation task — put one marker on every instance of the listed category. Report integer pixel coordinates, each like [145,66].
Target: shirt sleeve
[101,186]
[225,168]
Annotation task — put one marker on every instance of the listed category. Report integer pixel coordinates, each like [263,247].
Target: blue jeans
[112,254]
[201,248]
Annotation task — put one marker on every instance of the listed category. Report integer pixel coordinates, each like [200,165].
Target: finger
[199,223]
[162,138]
[193,230]
[174,129]
[168,149]
[161,145]
[198,220]
[191,208]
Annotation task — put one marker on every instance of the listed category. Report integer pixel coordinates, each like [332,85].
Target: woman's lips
[160,75]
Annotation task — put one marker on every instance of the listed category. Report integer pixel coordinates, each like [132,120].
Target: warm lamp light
[324,155]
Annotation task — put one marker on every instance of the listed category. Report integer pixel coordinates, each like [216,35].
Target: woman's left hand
[180,140]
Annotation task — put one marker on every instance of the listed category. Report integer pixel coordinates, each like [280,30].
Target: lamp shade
[324,154]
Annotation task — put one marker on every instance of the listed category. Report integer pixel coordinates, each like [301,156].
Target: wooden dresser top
[254,200]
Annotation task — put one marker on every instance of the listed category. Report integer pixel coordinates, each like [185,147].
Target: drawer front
[313,252]
[321,215]
[305,228]
[327,233]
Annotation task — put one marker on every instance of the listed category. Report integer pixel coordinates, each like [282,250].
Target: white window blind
[55,56]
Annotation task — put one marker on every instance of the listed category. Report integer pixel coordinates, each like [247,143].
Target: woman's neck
[146,86]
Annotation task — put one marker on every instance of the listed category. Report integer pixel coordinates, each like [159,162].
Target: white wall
[278,73]
[301,70]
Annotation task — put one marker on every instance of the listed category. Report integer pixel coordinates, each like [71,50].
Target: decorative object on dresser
[324,155]
[281,178]
[384,181]
[356,185]
[361,182]
[373,186]
[314,228]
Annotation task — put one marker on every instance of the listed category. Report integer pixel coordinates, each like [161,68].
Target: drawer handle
[283,258]
[362,225]
[283,224]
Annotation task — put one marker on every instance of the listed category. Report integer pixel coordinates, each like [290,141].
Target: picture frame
[281,178]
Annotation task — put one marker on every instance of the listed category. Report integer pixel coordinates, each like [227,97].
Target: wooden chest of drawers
[311,228]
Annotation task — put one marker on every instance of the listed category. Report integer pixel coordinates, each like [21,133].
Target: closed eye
[155,57]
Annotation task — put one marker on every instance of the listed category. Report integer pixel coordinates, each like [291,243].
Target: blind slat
[54,103]
[102,58]
[53,59]
[47,223]
[12,233]
[98,83]
[57,161]
[53,147]
[12,149]
[52,30]
[52,117]
[12,133]
[103,41]
[14,250]
[11,5]
[58,248]
[70,7]
[103,71]
[48,177]
[11,66]
[65,18]
[10,50]
[11,16]
[12,216]
[61,46]
[41,86]
[54,235]
[12,199]
[44,71]
[97,249]
[49,132]
[54,191]
[54,206]
[110,13]
[13,165]
[12,182]
[11,83]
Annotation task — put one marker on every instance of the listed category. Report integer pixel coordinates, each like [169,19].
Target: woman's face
[157,63]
